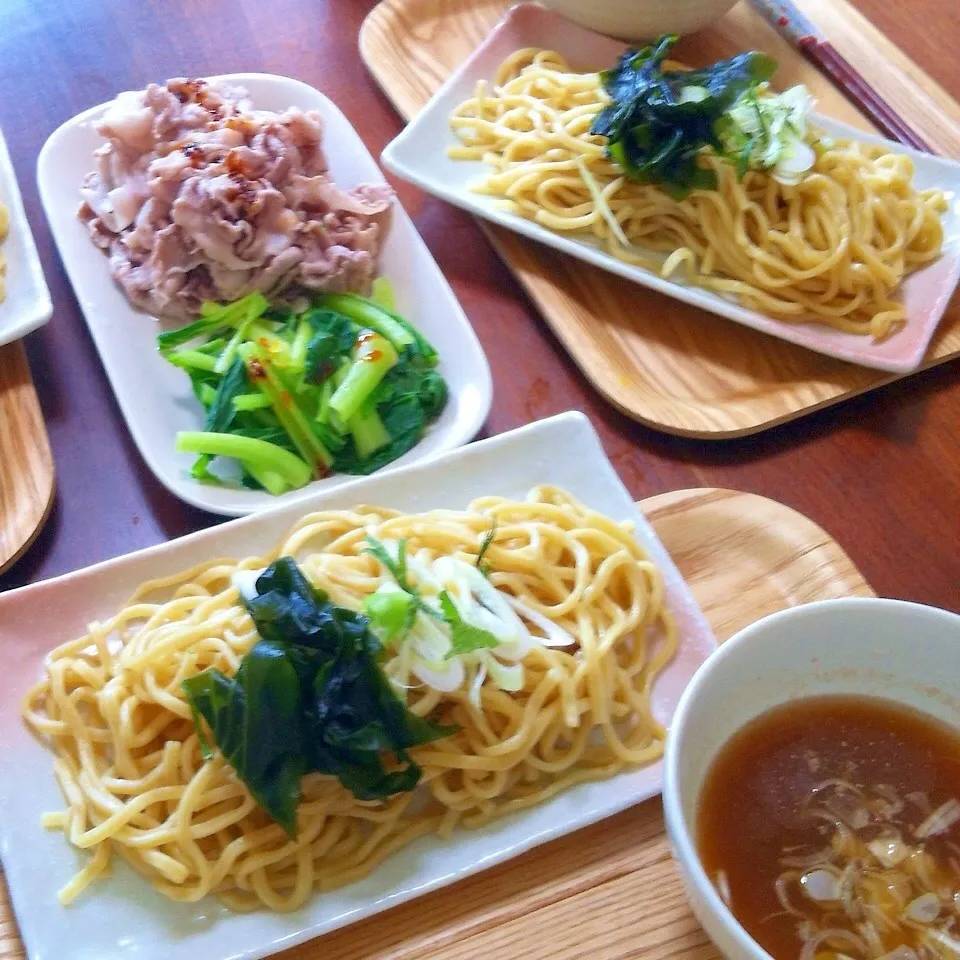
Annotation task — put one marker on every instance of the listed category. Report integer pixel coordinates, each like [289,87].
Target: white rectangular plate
[419,154]
[123,916]
[155,397]
[27,304]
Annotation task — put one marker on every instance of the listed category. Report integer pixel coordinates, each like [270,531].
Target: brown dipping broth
[850,804]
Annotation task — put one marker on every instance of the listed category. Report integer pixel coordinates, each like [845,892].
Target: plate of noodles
[274,765]
[24,298]
[177,231]
[705,185]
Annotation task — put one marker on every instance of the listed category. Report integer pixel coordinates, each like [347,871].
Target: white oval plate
[27,304]
[155,397]
[419,154]
[123,916]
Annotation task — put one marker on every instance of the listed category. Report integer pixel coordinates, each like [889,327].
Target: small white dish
[123,916]
[642,19]
[900,651]
[419,154]
[155,397]
[27,305]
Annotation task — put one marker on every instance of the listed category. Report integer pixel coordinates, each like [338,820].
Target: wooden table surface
[880,473]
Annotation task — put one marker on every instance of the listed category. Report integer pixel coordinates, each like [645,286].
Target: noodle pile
[831,249]
[127,754]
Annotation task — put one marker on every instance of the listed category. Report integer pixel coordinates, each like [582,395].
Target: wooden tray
[26,465]
[662,362]
[609,891]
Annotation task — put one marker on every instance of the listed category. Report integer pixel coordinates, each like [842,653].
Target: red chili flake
[189,91]
[365,337]
[194,153]
[235,164]
[373,356]
[286,399]
[255,370]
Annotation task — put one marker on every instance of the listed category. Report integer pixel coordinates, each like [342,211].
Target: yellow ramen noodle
[126,751]
[831,249]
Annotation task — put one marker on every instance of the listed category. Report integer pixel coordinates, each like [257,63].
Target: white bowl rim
[678,829]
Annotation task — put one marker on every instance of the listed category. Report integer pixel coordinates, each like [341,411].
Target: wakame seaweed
[659,120]
[310,697]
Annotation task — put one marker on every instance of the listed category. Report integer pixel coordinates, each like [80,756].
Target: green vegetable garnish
[398,567]
[308,698]
[464,637]
[488,539]
[390,610]
[345,386]
[659,120]
[398,570]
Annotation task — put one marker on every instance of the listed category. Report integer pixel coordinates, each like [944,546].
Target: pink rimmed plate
[122,916]
[418,154]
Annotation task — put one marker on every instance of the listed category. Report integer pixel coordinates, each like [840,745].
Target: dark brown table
[880,473]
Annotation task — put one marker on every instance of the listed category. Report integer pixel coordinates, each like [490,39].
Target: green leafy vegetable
[373,358]
[660,120]
[260,456]
[407,399]
[246,714]
[346,385]
[333,338]
[229,315]
[222,411]
[382,294]
[308,698]
[464,637]
[488,539]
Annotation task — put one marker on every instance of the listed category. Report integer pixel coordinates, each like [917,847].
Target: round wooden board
[744,557]
[26,464]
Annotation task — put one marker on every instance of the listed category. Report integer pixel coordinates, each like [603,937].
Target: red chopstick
[797,29]
[823,55]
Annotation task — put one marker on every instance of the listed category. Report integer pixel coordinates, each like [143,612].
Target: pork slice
[197,196]
[128,121]
[202,216]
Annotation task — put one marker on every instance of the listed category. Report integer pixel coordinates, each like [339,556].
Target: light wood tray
[608,891]
[26,465]
[662,362]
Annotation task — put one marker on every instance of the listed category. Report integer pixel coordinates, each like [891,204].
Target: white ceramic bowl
[902,651]
[642,19]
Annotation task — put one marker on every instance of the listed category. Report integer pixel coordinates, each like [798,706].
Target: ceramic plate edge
[577,421]
[179,486]
[688,294]
[42,309]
